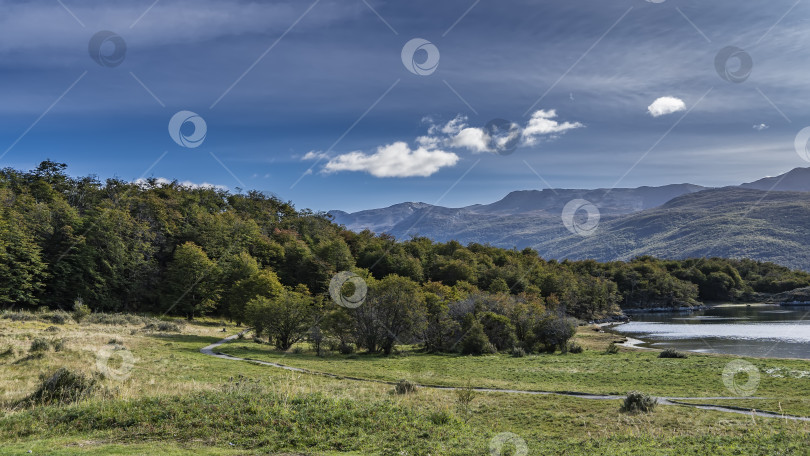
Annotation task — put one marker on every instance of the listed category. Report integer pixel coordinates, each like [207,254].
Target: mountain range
[767,220]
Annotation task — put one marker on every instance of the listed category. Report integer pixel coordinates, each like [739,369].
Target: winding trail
[678,401]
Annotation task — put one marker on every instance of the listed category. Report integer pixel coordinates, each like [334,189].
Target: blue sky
[326,80]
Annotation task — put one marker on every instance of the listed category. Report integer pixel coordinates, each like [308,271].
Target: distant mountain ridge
[768,220]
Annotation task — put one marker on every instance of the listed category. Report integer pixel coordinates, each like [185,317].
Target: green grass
[589,372]
[177,400]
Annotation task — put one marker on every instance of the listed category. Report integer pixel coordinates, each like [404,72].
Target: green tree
[190,287]
[284,319]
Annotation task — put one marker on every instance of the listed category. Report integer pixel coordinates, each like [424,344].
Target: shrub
[39,345]
[612,349]
[257,340]
[636,402]
[405,387]
[672,353]
[8,352]
[63,387]
[554,331]
[518,352]
[346,349]
[114,341]
[19,316]
[441,417]
[499,330]
[476,342]
[80,310]
[60,317]
[464,398]
[114,319]
[52,329]
[162,326]
[575,348]
[297,351]
[58,344]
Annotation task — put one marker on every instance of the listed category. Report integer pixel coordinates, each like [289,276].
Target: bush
[8,352]
[19,316]
[575,348]
[63,387]
[405,387]
[636,402]
[464,398]
[518,352]
[554,331]
[114,341]
[612,349]
[441,417]
[117,319]
[80,310]
[58,344]
[476,342]
[60,317]
[162,326]
[346,349]
[297,351]
[672,353]
[52,329]
[39,345]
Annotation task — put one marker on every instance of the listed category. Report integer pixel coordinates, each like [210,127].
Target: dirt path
[676,401]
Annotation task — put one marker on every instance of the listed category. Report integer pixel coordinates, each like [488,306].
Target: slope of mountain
[796,180]
[765,220]
[400,218]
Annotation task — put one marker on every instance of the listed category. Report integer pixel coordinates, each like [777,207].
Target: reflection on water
[750,330]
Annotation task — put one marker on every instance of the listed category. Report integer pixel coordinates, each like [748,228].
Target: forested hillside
[116,246]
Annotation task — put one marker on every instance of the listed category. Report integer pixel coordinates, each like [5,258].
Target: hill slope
[765,220]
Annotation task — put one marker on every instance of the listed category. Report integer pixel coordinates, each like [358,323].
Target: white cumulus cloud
[761,127]
[666,105]
[394,160]
[432,152]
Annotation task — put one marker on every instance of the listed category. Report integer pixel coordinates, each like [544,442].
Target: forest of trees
[157,248]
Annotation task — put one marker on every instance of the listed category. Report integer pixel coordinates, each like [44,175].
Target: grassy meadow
[165,397]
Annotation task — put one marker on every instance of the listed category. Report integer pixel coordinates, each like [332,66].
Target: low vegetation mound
[636,402]
[672,353]
[63,387]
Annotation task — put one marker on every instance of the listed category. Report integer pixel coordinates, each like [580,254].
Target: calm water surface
[749,330]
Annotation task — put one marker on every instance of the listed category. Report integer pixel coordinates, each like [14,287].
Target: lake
[759,330]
